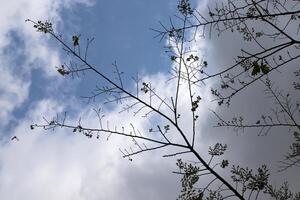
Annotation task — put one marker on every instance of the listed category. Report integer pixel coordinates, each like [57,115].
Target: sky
[62,165]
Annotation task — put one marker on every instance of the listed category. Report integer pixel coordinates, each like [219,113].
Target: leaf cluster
[45,27]
[189,179]
[184,7]
[283,193]
[195,104]
[248,180]
[145,87]
[217,150]
[259,68]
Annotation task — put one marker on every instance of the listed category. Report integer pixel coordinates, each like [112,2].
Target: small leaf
[75,39]
[264,69]
[256,69]
[62,71]
[173,58]
[224,163]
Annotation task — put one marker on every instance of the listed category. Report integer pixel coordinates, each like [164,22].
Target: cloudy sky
[62,165]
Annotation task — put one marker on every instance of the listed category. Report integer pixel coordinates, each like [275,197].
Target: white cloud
[12,93]
[62,165]
[57,165]
[26,48]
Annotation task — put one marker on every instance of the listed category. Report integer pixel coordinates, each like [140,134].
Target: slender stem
[179,71]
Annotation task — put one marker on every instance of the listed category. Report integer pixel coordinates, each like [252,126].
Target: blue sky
[119,27]
[60,165]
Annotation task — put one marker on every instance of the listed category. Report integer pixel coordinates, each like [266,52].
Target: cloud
[57,165]
[63,165]
[23,50]
[12,94]
[246,148]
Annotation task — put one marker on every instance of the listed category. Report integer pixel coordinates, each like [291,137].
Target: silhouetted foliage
[189,71]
